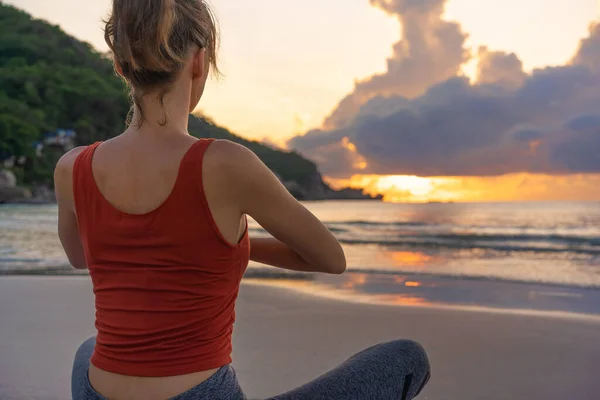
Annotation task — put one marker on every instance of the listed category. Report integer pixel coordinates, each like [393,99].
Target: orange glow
[534,146]
[297,284]
[410,258]
[349,145]
[513,187]
[360,163]
[403,300]
[355,280]
[412,284]
[327,291]
[399,188]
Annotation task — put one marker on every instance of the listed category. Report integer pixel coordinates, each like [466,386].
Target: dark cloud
[326,148]
[584,123]
[578,152]
[527,134]
[506,122]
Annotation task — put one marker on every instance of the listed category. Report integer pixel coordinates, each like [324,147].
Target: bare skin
[146,160]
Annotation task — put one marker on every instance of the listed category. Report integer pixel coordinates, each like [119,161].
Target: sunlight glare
[417,186]
[512,187]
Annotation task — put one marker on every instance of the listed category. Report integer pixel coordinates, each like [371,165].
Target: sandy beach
[284,338]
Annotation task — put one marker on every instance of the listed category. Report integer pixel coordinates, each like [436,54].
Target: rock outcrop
[9,191]
[317,189]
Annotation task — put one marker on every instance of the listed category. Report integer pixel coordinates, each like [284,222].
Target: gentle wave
[592,241]
[556,245]
[273,273]
[270,273]
[433,236]
[364,223]
[263,232]
[440,244]
[59,270]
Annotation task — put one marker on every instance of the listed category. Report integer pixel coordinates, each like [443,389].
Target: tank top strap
[191,187]
[191,170]
[83,179]
[200,148]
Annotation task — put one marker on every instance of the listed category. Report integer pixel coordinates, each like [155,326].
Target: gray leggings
[394,370]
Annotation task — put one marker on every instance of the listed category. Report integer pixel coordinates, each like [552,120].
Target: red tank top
[165,282]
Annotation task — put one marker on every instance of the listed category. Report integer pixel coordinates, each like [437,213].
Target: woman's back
[165,280]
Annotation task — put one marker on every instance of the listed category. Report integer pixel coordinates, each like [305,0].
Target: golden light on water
[412,284]
[355,280]
[410,258]
[347,294]
[512,187]
[403,300]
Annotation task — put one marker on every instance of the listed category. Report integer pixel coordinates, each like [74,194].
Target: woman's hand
[271,251]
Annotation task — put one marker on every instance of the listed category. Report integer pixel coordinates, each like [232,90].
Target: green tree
[50,80]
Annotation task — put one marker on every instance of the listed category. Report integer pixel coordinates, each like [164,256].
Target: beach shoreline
[369,300]
[414,290]
[284,338]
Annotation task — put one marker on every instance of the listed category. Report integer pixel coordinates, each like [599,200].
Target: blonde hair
[150,42]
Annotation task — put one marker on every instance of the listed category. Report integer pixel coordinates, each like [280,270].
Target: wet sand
[284,338]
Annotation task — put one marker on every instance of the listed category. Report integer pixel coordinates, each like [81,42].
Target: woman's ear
[119,69]
[200,65]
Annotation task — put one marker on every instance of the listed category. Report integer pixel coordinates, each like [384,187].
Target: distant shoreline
[19,195]
[37,202]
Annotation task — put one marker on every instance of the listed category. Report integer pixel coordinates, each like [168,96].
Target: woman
[159,218]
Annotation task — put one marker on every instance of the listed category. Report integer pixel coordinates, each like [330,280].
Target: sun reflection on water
[355,280]
[413,258]
[403,300]
[350,288]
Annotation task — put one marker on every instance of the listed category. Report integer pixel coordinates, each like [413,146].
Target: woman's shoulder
[63,173]
[67,161]
[237,173]
[230,157]
[240,167]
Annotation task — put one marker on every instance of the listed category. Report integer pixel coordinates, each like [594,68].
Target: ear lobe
[119,69]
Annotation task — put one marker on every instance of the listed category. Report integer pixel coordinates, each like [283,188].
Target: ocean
[403,247]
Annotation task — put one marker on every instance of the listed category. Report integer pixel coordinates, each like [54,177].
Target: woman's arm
[271,251]
[301,242]
[68,231]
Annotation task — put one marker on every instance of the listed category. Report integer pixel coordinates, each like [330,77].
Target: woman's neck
[169,114]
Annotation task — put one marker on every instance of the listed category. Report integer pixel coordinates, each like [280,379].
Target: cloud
[431,50]
[422,118]
[500,68]
[589,50]
[579,148]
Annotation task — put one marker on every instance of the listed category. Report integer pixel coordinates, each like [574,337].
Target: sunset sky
[291,68]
